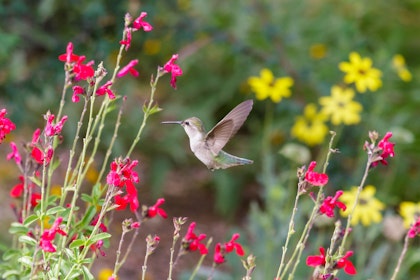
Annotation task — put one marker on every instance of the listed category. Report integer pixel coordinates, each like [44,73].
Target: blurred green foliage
[221,44]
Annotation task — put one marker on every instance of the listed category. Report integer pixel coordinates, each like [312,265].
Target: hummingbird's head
[193,127]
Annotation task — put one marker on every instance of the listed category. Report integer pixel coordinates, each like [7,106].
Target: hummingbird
[207,147]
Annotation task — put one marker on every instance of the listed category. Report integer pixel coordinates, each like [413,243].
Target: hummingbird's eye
[187,123]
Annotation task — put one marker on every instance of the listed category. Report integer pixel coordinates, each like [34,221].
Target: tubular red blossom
[69,56]
[154,210]
[129,68]
[6,125]
[52,130]
[387,149]
[17,190]
[316,260]
[314,178]
[49,234]
[221,250]
[106,90]
[83,71]
[139,23]
[330,202]
[14,154]
[191,242]
[77,90]
[346,264]
[174,69]
[35,136]
[414,229]
[128,37]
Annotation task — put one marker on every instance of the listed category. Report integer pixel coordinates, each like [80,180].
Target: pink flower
[6,125]
[69,56]
[341,263]
[14,154]
[174,69]
[49,234]
[128,37]
[222,250]
[330,202]
[387,149]
[129,68]
[414,229]
[52,130]
[314,178]
[191,242]
[35,136]
[139,23]
[77,90]
[106,90]
[154,210]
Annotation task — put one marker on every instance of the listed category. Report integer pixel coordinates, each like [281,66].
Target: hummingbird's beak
[172,122]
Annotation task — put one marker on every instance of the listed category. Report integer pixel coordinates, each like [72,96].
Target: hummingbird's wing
[220,134]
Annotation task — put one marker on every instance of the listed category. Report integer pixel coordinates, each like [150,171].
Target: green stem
[400,259]
[200,261]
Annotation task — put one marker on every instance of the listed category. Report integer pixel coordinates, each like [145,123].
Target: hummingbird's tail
[226,160]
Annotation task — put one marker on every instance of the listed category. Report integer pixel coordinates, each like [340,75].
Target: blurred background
[221,44]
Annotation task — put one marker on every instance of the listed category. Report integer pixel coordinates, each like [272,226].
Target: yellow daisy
[410,211]
[341,107]
[310,128]
[360,72]
[369,208]
[267,86]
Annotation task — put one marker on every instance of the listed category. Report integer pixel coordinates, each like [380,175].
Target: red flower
[106,90]
[49,234]
[154,210]
[314,178]
[221,250]
[128,199]
[52,130]
[77,90]
[414,229]
[174,69]
[341,263]
[69,56]
[127,41]
[17,190]
[6,125]
[14,154]
[346,264]
[39,156]
[387,149]
[122,174]
[191,242]
[129,68]
[139,23]
[330,202]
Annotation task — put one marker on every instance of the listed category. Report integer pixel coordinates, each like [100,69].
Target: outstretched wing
[217,138]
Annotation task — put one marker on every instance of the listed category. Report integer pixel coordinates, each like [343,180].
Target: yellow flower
[340,106]
[267,86]
[310,128]
[410,211]
[360,71]
[398,63]
[105,273]
[369,208]
[318,51]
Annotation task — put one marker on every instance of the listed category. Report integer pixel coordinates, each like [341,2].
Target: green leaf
[29,220]
[11,254]
[35,180]
[86,273]
[87,217]
[100,236]
[155,109]
[26,261]
[55,210]
[9,273]
[77,243]
[27,240]
[18,228]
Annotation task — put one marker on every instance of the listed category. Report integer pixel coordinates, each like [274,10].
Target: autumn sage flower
[191,241]
[6,125]
[49,234]
[220,251]
[174,69]
[329,203]
[129,68]
[154,210]
[343,262]
[314,178]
